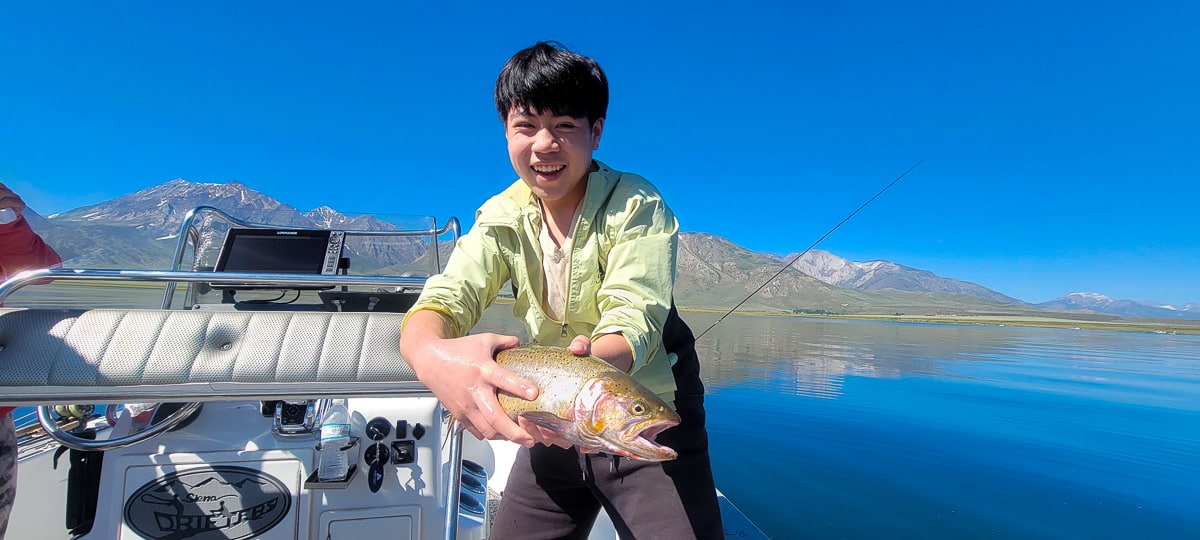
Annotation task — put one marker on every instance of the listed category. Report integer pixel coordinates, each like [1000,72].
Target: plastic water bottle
[335,435]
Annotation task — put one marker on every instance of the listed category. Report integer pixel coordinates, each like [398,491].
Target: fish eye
[638,408]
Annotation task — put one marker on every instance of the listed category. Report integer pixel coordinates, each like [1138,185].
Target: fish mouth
[641,444]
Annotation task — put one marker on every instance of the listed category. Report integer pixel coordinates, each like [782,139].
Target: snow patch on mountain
[880,275]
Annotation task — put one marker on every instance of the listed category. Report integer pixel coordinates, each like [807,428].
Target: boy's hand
[580,346]
[462,374]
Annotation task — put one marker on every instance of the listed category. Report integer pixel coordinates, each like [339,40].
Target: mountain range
[1098,303]
[139,230]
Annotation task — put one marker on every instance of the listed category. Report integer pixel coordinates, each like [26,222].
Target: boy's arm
[612,348]
[469,283]
[639,280]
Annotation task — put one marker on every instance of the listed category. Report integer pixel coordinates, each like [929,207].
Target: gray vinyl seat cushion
[114,355]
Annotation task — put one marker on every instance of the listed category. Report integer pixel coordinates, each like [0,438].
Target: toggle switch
[404,452]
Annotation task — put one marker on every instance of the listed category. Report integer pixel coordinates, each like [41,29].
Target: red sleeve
[22,249]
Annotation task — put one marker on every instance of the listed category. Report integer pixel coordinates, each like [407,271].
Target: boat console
[271,327]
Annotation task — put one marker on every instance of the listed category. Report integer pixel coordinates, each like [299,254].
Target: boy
[590,253]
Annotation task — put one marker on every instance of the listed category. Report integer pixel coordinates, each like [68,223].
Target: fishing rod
[809,248]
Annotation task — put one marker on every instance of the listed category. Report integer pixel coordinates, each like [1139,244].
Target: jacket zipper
[571,263]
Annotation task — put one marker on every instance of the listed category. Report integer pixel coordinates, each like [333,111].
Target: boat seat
[50,356]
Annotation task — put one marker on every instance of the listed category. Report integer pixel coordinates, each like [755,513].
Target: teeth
[548,169]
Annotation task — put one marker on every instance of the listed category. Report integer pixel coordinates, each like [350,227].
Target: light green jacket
[621,273]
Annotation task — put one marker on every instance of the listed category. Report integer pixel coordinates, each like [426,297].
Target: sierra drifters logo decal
[223,502]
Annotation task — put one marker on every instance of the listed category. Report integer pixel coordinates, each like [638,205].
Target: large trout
[589,402]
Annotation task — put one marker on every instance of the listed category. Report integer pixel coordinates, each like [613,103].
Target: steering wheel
[71,440]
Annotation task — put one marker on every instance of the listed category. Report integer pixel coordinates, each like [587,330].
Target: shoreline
[112,294]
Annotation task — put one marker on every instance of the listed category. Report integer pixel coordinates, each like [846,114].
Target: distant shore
[1157,326]
[146,294]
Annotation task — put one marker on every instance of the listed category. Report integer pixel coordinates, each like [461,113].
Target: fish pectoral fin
[549,421]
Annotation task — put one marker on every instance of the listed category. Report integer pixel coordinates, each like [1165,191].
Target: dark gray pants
[8,469]
[548,497]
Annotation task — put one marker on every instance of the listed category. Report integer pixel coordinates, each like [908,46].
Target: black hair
[548,77]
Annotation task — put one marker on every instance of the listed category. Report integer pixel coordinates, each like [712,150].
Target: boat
[209,405]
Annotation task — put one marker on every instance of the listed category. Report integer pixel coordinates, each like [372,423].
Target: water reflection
[812,357]
[954,431]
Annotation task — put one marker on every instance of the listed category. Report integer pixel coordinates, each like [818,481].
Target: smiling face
[552,153]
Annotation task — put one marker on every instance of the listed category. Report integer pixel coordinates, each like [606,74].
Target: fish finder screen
[281,254]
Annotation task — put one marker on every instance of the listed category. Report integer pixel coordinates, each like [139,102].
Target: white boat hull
[162,488]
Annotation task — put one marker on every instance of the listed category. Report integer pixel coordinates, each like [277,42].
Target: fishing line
[809,248]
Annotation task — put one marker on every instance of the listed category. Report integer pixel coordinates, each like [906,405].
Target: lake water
[847,429]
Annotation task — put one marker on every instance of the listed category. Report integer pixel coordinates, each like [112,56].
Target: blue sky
[1060,140]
